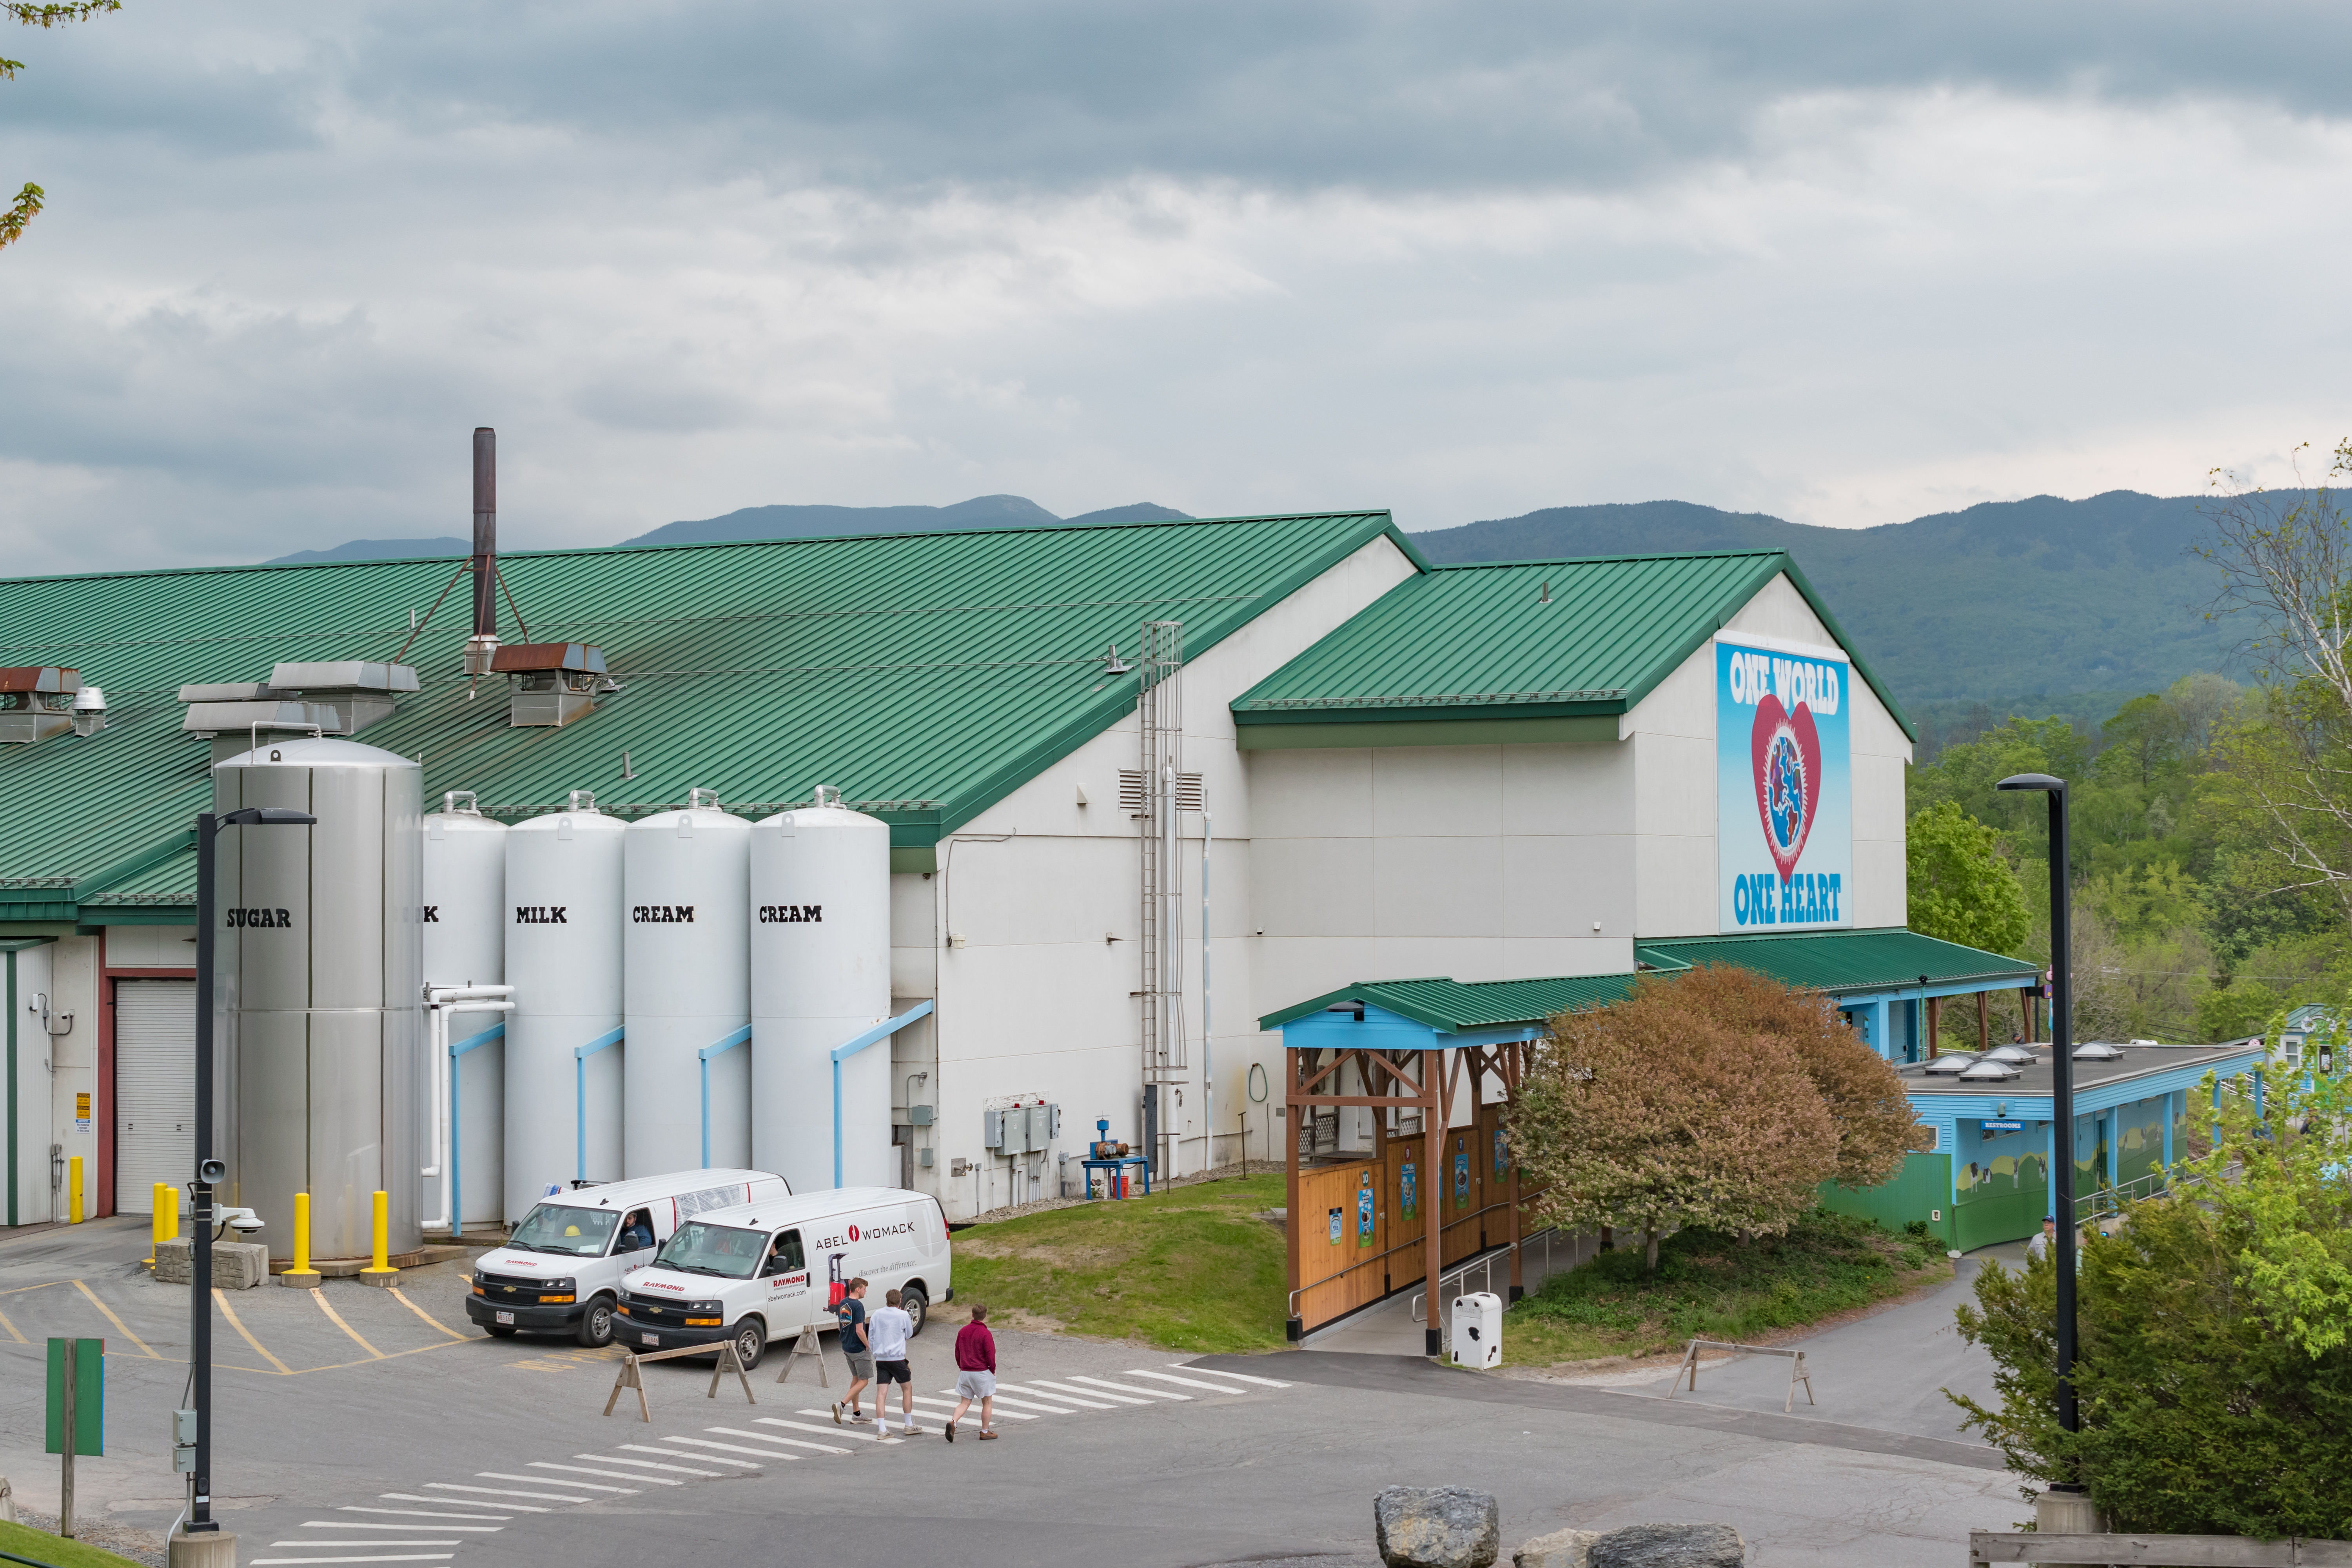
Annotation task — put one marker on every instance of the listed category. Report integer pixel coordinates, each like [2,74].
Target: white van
[561,1271]
[762,1271]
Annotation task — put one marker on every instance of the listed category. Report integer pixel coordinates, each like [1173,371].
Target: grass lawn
[1709,1286]
[41,1548]
[1189,1268]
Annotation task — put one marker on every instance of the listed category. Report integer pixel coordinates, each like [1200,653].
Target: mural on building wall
[1784,789]
[2004,1161]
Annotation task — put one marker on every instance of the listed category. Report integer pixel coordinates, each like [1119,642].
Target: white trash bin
[1478,1330]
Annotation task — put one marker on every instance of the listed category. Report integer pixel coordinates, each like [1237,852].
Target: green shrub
[2214,1378]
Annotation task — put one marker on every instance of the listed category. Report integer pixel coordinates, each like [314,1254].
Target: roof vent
[549,683]
[36,702]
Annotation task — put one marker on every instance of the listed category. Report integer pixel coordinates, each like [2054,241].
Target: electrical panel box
[919,1115]
[992,1130]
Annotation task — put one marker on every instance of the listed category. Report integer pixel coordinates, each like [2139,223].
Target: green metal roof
[926,676]
[1453,1006]
[1883,959]
[1484,641]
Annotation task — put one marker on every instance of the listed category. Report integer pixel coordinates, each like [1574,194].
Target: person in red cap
[975,1353]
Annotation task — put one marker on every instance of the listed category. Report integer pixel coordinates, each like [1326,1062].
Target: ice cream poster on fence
[1784,788]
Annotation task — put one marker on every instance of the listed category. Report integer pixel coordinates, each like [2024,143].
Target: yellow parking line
[143,1348]
[336,1319]
[13,1334]
[230,1313]
[426,1315]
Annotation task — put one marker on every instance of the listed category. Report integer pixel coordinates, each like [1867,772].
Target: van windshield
[724,1250]
[576,1233]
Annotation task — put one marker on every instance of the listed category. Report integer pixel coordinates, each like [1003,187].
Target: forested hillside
[2035,607]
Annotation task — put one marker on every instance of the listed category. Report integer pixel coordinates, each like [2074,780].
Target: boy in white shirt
[888,1333]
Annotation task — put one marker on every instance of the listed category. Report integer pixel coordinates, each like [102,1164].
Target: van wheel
[750,1342]
[596,1324]
[915,1305]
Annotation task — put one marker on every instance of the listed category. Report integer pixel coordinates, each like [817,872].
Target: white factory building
[1051,751]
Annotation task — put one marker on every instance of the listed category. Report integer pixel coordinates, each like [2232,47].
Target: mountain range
[2036,607]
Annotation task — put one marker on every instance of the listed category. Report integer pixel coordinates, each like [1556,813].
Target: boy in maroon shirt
[975,1353]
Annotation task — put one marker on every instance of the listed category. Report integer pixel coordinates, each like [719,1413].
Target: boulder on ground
[1437,1527]
[1560,1549]
[1670,1546]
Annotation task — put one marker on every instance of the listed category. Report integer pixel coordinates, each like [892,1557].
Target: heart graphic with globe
[1786,753]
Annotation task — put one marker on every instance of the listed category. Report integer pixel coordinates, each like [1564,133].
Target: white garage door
[155,1089]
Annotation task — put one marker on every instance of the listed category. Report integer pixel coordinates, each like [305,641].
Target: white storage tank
[562,911]
[688,987]
[820,976]
[317,979]
[465,944]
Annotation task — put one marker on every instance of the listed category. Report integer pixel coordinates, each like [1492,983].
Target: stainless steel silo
[319,976]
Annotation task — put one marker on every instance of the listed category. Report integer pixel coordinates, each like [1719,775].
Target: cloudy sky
[1839,262]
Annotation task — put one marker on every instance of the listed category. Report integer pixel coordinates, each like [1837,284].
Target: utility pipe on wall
[440,1003]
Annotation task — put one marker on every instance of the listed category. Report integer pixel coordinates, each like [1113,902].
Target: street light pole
[2061,1102]
[210,1168]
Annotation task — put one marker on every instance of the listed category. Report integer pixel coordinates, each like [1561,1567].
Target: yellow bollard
[73,1190]
[302,1276]
[381,1271]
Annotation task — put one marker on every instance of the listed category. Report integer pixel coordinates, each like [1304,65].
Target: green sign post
[77,1413]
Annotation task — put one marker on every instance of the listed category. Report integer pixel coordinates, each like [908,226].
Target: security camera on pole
[2064,1508]
[201,1544]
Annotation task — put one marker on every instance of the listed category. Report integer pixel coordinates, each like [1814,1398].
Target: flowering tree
[1652,1115]
[1868,1110]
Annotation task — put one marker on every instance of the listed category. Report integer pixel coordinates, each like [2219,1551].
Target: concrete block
[1670,1546]
[213,1548]
[1560,1549]
[236,1265]
[1437,1527]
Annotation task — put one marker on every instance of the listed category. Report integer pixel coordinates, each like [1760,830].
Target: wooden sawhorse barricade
[1797,1373]
[808,1345]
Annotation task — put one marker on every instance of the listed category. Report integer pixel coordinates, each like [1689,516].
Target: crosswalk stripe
[1064,1388]
[505,1491]
[361,1524]
[771,1438]
[463,1502]
[1006,1399]
[1093,1402]
[552,1480]
[731,1448]
[652,1465]
[610,1475]
[1128,1388]
[410,1557]
[1183,1382]
[820,1431]
[951,1405]
[419,1513]
[1221,1372]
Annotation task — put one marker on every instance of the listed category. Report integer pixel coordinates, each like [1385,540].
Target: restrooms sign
[1784,786]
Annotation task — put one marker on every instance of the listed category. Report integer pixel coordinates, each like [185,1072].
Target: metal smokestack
[482,647]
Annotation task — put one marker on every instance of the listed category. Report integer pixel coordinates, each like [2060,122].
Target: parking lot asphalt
[357,1425]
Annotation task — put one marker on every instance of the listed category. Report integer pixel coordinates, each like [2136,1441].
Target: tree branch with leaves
[29,200]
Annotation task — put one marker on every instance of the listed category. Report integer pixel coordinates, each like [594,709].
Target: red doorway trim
[102,1201]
